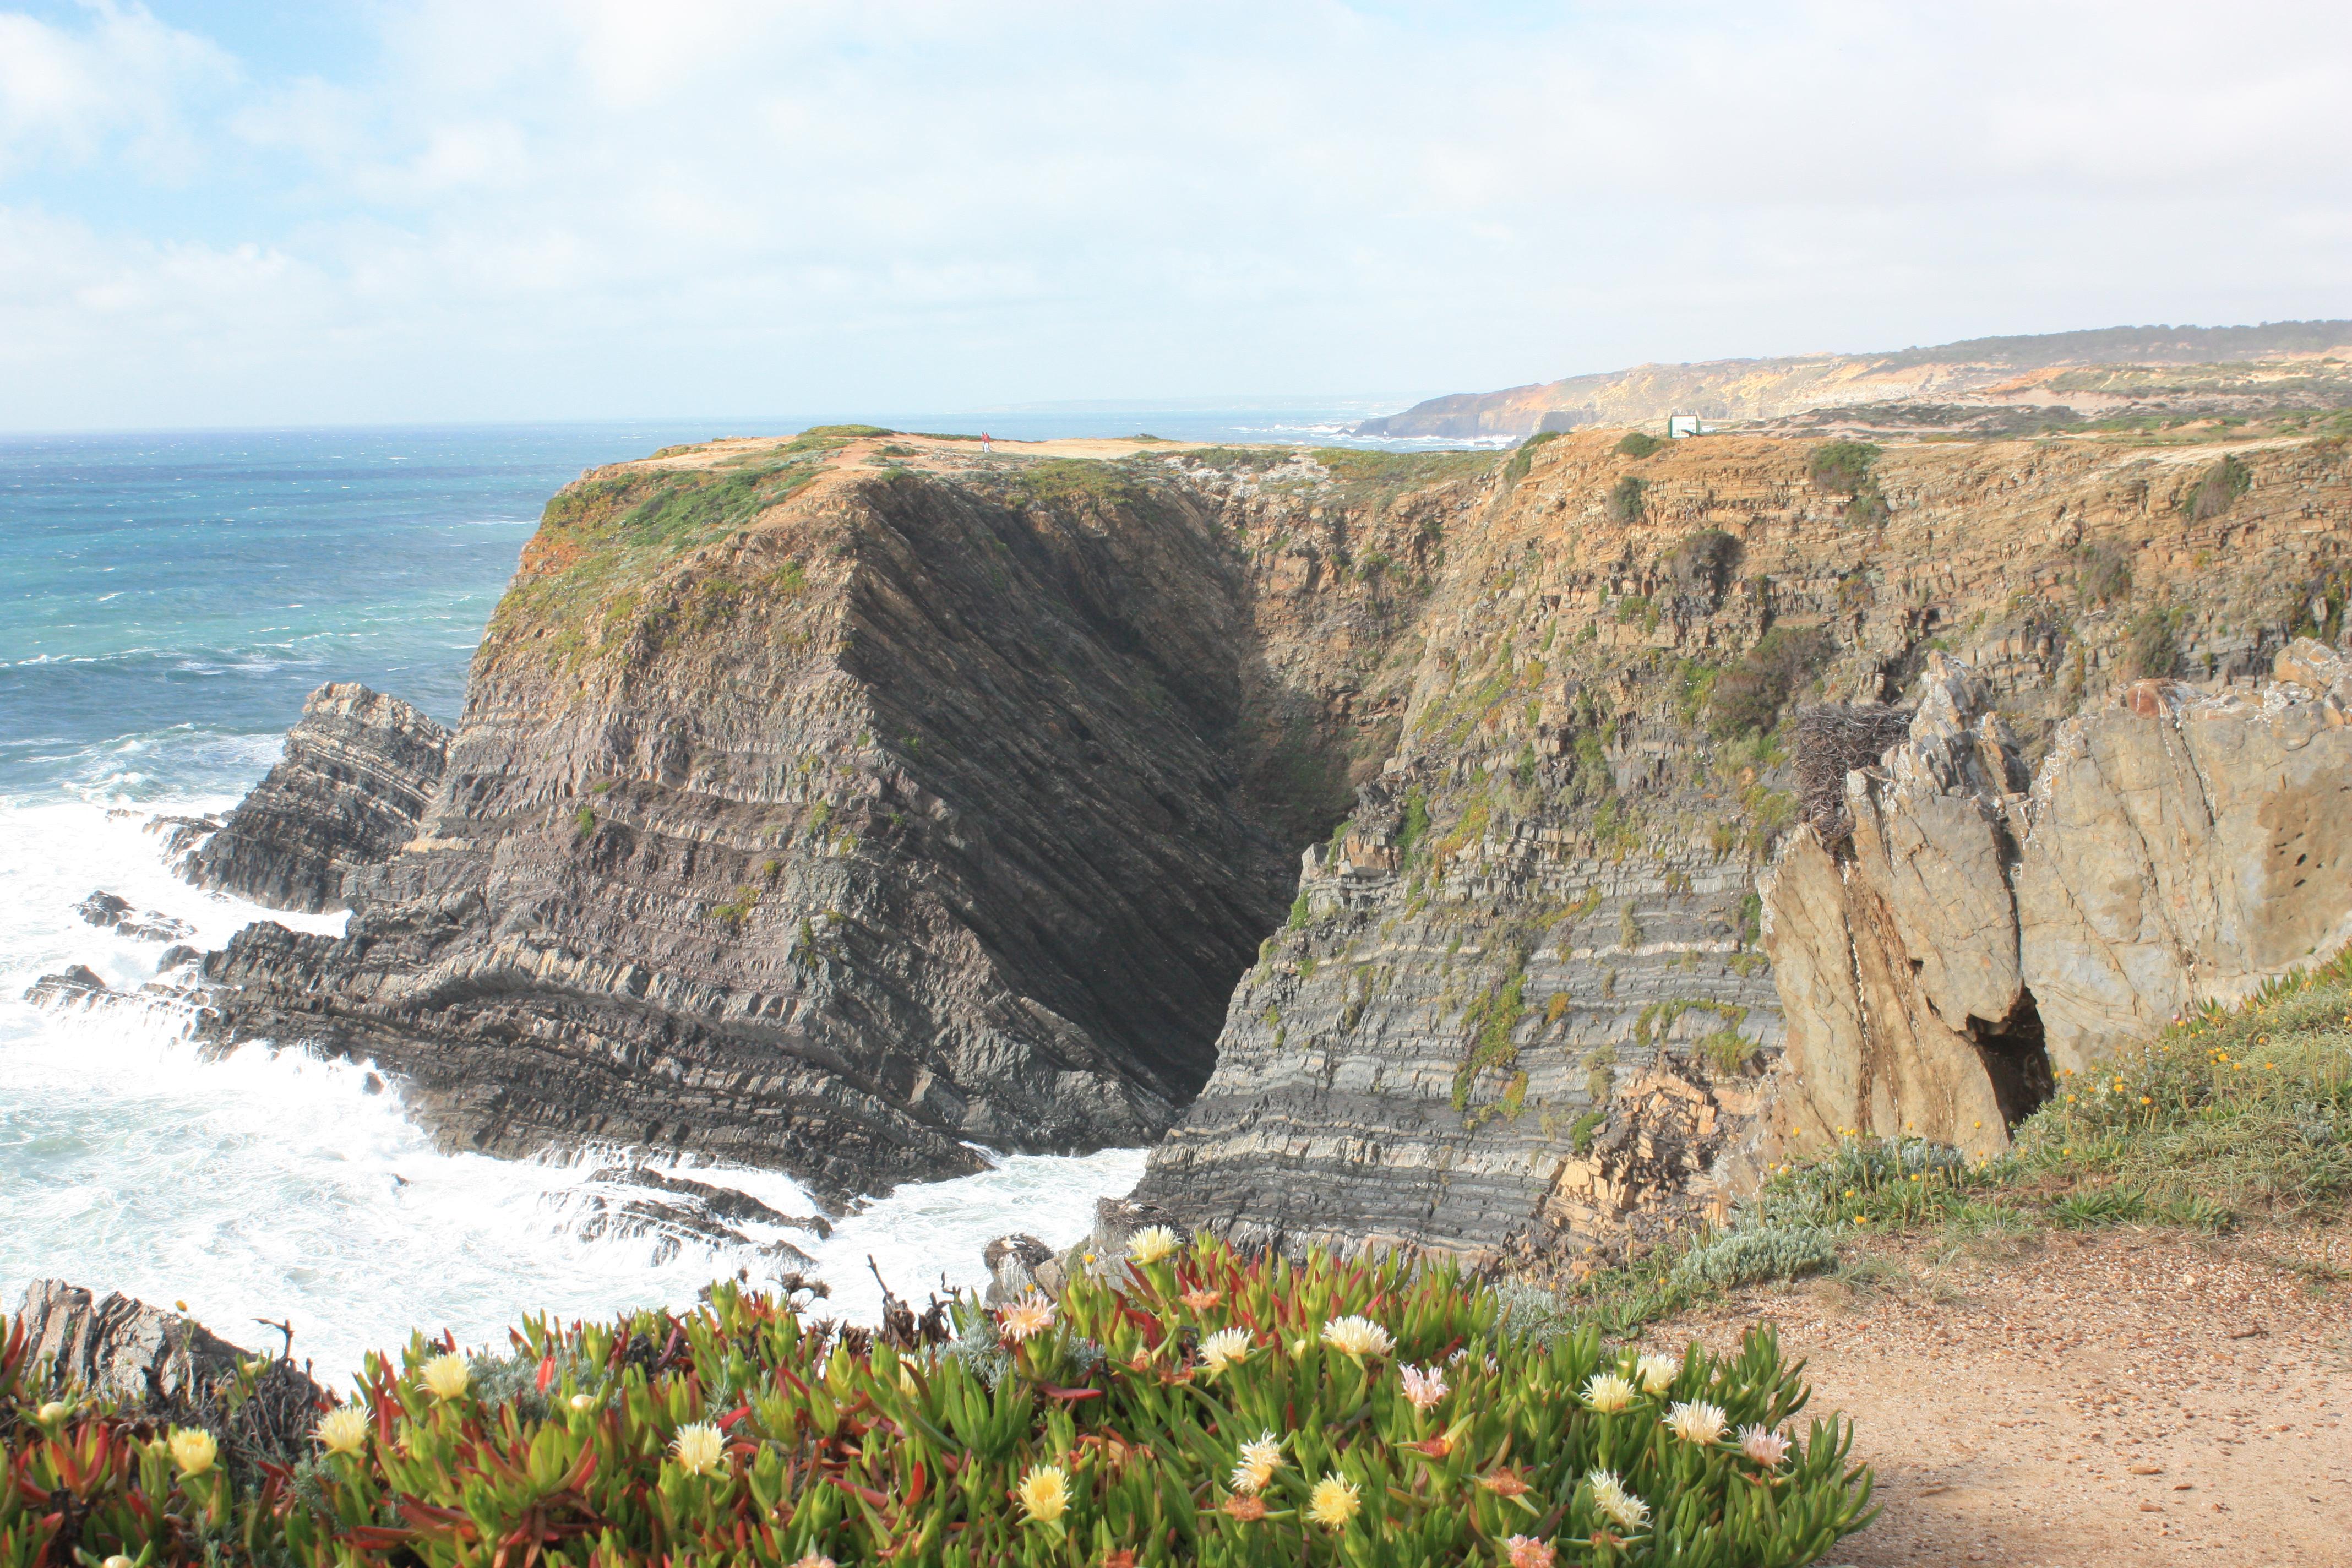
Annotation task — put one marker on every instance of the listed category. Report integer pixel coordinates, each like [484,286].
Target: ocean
[166,602]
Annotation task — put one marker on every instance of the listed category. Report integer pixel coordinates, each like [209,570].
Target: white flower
[446,1375]
[343,1429]
[1424,1389]
[1696,1421]
[699,1448]
[1767,1448]
[1357,1336]
[1152,1244]
[55,1410]
[1031,1315]
[1225,1348]
[1608,1393]
[1045,1492]
[1609,1496]
[814,1559]
[193,1449]
[1657,1373]
[1333,1501]
[1259,1459]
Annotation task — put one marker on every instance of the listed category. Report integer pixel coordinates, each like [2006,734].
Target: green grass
[599,542]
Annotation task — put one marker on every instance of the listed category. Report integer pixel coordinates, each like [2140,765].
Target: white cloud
[121,80]
[543,208]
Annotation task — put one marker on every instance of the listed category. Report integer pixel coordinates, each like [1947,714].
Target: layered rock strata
[1523,1006]
[350,789]
[838,818]
[834,804]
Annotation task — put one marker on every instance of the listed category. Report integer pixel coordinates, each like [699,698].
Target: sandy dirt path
[2125,1399]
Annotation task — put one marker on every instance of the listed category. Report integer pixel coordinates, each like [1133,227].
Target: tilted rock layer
[834,804]
[837,817]
[1524,1005]
[358,770]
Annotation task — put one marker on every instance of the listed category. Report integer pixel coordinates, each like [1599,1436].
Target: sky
[368,210]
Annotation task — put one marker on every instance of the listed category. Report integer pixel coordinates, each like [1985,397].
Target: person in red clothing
[984,448]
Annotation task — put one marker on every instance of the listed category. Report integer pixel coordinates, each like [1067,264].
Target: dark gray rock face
[357,772]
[119,1348]
[112,912]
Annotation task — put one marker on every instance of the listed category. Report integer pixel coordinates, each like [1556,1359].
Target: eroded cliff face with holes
[836,803]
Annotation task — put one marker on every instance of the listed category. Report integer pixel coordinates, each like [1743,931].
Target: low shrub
[1748,697]
[1190,1407]
[1636,444]
[2219,489]
[1624,503]
[1767,1252]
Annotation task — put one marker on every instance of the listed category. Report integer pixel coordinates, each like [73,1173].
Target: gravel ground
[2123,1398]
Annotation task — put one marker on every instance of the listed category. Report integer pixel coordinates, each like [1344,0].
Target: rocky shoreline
[833,810]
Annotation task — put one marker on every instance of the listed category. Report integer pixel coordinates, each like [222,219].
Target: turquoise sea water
[166,602]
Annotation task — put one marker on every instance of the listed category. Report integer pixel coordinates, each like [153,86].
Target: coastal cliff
[1524,1004]
[1386,831]
[837,815]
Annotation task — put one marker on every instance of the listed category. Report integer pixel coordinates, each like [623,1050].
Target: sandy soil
[2127,1398]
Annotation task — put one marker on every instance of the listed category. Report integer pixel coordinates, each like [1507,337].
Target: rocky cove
[1510,855]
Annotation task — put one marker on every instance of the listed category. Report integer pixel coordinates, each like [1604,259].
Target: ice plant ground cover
[745,1434]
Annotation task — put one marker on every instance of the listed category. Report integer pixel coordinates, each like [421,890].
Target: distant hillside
[1770,388]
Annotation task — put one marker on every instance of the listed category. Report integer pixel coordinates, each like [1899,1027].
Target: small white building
[1681,425]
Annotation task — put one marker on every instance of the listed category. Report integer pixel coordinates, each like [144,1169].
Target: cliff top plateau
[1983,387]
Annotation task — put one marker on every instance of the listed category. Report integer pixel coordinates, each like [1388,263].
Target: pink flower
[1526,1552]
[1423,1387]
[1767,1448]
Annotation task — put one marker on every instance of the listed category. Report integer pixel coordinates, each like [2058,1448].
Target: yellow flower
[1150,1244]
[1608,1393]
[1045,1493]
[1225,1348]
[55,1410]
[193,1449]
[699,1448]
[447,1375]
[1357,1336]
[1696,1421]
[1333,1501]
[343,1429]
[1622,1507]
[1031,1315]
[1656,1373]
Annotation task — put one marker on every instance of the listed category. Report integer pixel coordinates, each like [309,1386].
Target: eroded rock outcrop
[115,1347]
[357,772]
[1523,1006]
[1979,936]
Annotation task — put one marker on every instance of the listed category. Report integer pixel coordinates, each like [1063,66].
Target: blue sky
[429,210]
